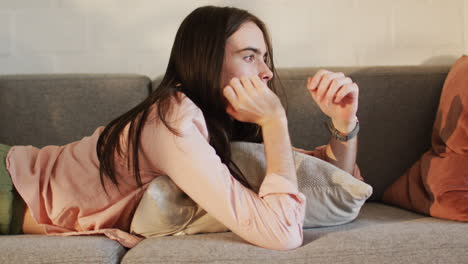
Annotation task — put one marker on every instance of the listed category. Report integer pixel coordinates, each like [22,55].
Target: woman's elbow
[292,244]
[292,241]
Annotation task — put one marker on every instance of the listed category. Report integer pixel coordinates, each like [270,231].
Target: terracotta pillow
[437,184]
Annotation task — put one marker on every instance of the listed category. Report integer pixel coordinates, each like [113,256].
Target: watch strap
[335,133]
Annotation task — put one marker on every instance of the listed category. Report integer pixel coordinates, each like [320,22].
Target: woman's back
[62,188]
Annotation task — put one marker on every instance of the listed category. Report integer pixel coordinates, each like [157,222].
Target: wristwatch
[338,135]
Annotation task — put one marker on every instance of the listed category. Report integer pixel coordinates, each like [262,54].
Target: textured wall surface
[117,36]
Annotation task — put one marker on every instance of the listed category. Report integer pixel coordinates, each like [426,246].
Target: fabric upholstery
[57,109]
[380,234]
[51,249]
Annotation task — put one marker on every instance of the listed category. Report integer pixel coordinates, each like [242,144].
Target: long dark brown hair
[194,68]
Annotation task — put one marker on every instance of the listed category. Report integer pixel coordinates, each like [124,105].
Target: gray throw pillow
[334,197]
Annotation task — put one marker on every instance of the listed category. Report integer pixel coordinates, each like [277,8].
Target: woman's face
[246,55]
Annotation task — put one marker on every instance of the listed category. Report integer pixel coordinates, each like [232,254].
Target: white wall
[117,36]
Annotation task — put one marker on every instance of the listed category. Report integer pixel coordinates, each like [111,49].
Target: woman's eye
[249,58]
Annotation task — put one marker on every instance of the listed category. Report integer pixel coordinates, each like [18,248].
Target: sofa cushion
[437,184]
[397,107]
[379,234]
[333,196]
[57,109]
[52,249]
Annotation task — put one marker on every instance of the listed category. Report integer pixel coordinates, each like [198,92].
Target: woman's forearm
[278,151]
[340,153]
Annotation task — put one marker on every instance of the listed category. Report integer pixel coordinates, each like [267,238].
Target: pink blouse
[61,185]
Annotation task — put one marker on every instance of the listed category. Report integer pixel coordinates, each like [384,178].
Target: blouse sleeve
[320,152]
[271,219]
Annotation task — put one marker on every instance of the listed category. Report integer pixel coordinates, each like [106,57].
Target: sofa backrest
[56,109]
[397,109]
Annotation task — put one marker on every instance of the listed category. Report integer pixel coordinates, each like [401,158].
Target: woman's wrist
[345,127]
[278,120]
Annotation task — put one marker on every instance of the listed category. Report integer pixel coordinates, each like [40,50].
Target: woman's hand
[337,96]
[250,100]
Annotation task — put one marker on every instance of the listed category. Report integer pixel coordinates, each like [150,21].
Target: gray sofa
[397,108]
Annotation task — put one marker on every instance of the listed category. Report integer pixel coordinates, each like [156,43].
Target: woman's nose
[265,73]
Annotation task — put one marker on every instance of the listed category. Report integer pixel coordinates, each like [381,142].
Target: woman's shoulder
[184,102]
[183,113]
[178,105]
[182,107]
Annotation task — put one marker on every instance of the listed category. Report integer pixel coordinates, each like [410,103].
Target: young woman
[217,88]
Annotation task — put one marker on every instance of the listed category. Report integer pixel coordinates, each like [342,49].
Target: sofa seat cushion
[54,249]
[380,234]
